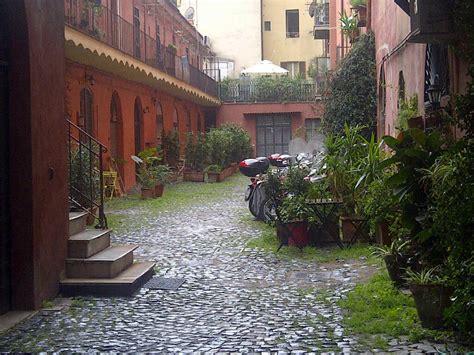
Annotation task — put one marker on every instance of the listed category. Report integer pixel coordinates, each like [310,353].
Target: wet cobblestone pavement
[233,300]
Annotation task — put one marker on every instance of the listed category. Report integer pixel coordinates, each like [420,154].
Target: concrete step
[87,243]
[108,263]
[77,222]
[124,284]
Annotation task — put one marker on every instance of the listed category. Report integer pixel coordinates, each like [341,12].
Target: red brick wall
[244,114]
[104,86]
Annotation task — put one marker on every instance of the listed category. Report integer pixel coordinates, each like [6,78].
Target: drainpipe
[342,34]
[261,29]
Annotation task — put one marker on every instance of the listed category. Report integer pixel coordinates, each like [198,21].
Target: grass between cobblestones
[269,243]
[129,212]
[377,311]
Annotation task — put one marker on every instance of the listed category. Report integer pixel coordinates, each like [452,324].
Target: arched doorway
[159,124]
[116,130]
[87,111]
[189,126]
[175,120]
[138,125]
[5,267]
[199,123]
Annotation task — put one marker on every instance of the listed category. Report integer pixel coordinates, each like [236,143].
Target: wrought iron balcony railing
[100,22]
[267,90]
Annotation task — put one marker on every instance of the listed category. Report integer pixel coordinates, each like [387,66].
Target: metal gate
[5,285]
[273,134]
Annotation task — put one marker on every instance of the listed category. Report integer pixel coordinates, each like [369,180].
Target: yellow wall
[276,46]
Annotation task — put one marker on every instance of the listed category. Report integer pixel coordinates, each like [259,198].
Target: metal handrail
[85,165]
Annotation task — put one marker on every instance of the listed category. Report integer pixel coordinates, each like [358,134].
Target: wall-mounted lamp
[146,110]
[434,95]
[90,79]
[153,101]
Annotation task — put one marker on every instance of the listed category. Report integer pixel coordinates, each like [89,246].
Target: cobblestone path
[233,300]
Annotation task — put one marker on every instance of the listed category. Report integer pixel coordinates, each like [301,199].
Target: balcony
[104,25]
[320,12]
[267,89]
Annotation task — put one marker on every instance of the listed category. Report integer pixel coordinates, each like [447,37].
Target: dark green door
[5,293]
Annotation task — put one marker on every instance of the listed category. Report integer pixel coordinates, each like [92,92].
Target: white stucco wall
[234,28]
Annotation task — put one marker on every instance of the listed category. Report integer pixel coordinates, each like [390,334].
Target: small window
[268,25]
[292,23]
[313,131]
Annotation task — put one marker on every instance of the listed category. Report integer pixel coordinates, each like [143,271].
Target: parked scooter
[255,194]
[261,206]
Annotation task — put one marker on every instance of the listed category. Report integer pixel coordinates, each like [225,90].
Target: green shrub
[351,94]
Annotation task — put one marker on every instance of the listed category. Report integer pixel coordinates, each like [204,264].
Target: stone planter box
[194,176]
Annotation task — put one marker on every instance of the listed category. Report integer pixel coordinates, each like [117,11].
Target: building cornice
[87,50]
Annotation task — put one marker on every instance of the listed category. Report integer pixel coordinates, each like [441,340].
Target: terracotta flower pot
[147,193]
[294,233]
[159,190]
[431,301]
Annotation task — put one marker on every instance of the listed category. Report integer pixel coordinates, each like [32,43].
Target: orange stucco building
[134,71]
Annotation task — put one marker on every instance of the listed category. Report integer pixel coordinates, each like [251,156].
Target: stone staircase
[95,267]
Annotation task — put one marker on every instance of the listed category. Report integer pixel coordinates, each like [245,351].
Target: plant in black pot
[432,294]
[395,260]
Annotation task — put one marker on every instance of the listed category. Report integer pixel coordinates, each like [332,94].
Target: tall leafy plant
[351,96]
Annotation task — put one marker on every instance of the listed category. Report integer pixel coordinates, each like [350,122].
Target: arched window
[115,126]
[87,111]
[175,120]
[159,123]
[138,125]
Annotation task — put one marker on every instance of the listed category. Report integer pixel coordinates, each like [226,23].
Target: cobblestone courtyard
[233,299]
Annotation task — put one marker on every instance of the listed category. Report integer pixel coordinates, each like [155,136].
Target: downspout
[342,34]
[261,29]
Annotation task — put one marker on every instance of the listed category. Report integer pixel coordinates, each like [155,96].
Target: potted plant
[395,260]
[170,147]
[349,26]
[212,173]
[292,221]
[432,296]
[196,155]
[161,175]
[147,161]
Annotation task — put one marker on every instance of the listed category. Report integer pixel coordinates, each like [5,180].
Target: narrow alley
[234,299]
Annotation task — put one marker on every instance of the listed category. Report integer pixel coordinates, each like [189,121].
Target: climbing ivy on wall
[351,96]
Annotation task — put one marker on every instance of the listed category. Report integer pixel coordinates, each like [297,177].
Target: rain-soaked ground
[233,299]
